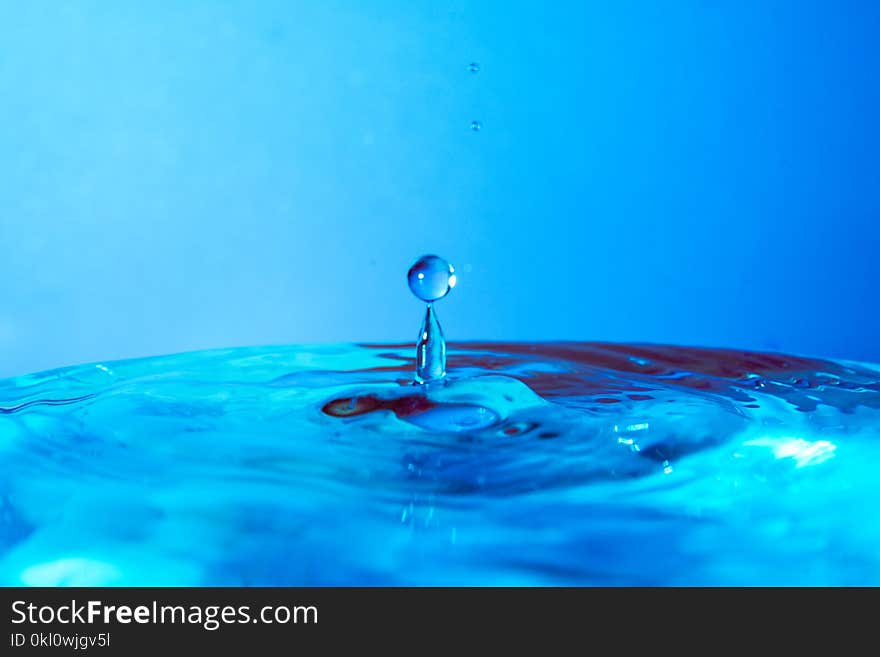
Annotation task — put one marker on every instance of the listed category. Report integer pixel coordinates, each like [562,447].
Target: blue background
[184,175]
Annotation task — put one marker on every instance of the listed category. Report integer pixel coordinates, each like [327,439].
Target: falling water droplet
[430,278]
[474,67]
[476,126]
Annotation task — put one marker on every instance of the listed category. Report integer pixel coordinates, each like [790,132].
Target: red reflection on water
[401,406]
[608,372]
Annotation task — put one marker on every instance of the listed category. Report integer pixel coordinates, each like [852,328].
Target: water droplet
[474,67]
[431,277]
[476,126]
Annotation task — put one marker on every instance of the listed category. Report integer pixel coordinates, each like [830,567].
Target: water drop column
[431,278]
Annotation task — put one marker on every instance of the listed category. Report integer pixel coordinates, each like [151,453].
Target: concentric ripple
[557,463]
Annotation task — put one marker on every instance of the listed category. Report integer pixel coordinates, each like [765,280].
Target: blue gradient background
[184,175]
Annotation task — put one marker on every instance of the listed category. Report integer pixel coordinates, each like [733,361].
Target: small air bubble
[476,126]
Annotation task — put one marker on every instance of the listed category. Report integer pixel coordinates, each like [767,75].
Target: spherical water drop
[474,67]
[431,277]
[476,126]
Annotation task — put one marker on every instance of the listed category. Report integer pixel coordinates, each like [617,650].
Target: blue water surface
[554,463]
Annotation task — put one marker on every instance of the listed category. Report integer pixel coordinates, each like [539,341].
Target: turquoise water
[556,463]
